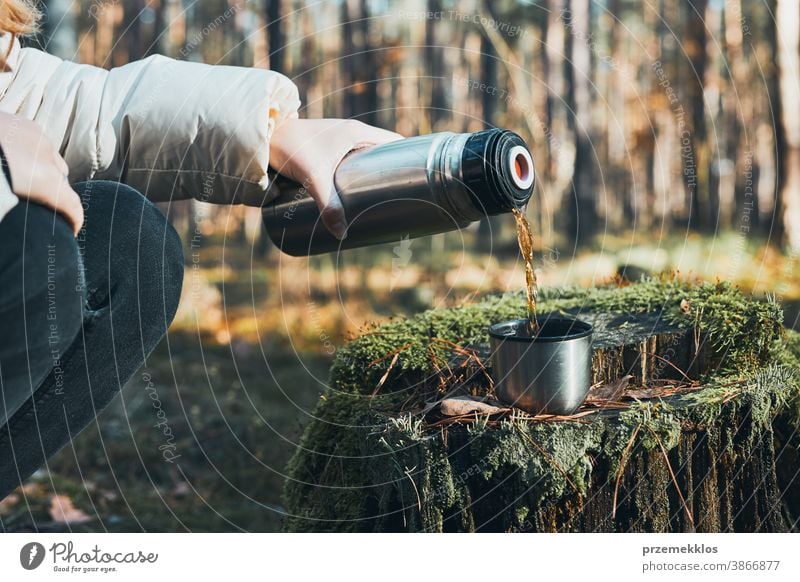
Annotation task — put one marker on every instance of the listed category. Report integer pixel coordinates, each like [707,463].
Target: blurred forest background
[666,135]
[656,115]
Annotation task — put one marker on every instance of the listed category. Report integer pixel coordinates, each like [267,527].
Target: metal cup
[549,373]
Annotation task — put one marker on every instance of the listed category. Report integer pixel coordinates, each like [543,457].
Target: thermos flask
[407,189]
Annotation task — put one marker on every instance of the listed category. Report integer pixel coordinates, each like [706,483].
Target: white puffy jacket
[171,129]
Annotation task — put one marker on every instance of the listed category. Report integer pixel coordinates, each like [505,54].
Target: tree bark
[276,40]
[787,22]
[582,213]
[437,105]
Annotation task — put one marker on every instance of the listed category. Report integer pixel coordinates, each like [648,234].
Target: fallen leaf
[611,391]
[461,405]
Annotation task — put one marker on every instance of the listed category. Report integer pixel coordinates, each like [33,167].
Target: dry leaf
[685,306]
[612,391]
[461,405]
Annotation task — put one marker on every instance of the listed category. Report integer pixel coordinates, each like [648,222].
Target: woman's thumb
[332,211]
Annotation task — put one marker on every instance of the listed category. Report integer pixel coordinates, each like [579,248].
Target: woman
[90,271]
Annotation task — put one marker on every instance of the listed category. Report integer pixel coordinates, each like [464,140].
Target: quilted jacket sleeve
[171,129]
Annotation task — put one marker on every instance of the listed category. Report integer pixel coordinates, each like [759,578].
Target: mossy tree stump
[378,457]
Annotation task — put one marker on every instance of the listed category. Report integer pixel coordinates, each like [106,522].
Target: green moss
[719,312]
[369,462]
[790,352]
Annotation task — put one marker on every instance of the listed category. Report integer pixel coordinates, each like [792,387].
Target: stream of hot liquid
[525,239]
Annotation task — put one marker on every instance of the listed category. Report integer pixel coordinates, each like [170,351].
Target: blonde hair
[18,17]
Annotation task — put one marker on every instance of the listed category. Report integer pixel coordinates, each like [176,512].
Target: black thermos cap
[487,171]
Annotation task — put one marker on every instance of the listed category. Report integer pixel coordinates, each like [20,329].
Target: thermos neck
[497,171]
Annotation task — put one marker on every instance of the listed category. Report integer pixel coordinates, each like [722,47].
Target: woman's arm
[174,130]
[171,129]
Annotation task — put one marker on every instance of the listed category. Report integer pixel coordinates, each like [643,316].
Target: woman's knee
[140,253]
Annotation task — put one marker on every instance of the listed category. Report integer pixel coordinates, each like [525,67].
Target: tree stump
[677,434]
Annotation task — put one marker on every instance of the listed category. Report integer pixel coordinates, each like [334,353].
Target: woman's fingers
[61,164]
[38,171]
[322,189]
[352,135]
[63,199]
[68,203]
[368,135]
[310,150]
[333,216]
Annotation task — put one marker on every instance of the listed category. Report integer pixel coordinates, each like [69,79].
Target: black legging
[78,316]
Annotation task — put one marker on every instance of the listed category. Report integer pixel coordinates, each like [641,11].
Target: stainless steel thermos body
[408,188]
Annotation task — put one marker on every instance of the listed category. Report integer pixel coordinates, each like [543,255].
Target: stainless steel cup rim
[551,329]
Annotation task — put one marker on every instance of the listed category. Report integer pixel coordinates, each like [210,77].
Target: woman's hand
[309,150]
[38,172]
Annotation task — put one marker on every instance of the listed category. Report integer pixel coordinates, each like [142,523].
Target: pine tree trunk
[582,200]
[694,149]
[276,40]
[787,20]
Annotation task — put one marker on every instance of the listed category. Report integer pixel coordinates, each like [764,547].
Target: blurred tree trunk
[739,112]
[305,76]
[435,76]
[59,29]
[787,20]
[638,203]
[558,164]
[673,200]
[582,210]
[615,156]
[133,40]
[488,71]
[762,52]
[694,149]
[276,41]
[488,74]
[358,62]
[716,166]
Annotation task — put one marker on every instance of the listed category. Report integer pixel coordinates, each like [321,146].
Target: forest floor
[201,435]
